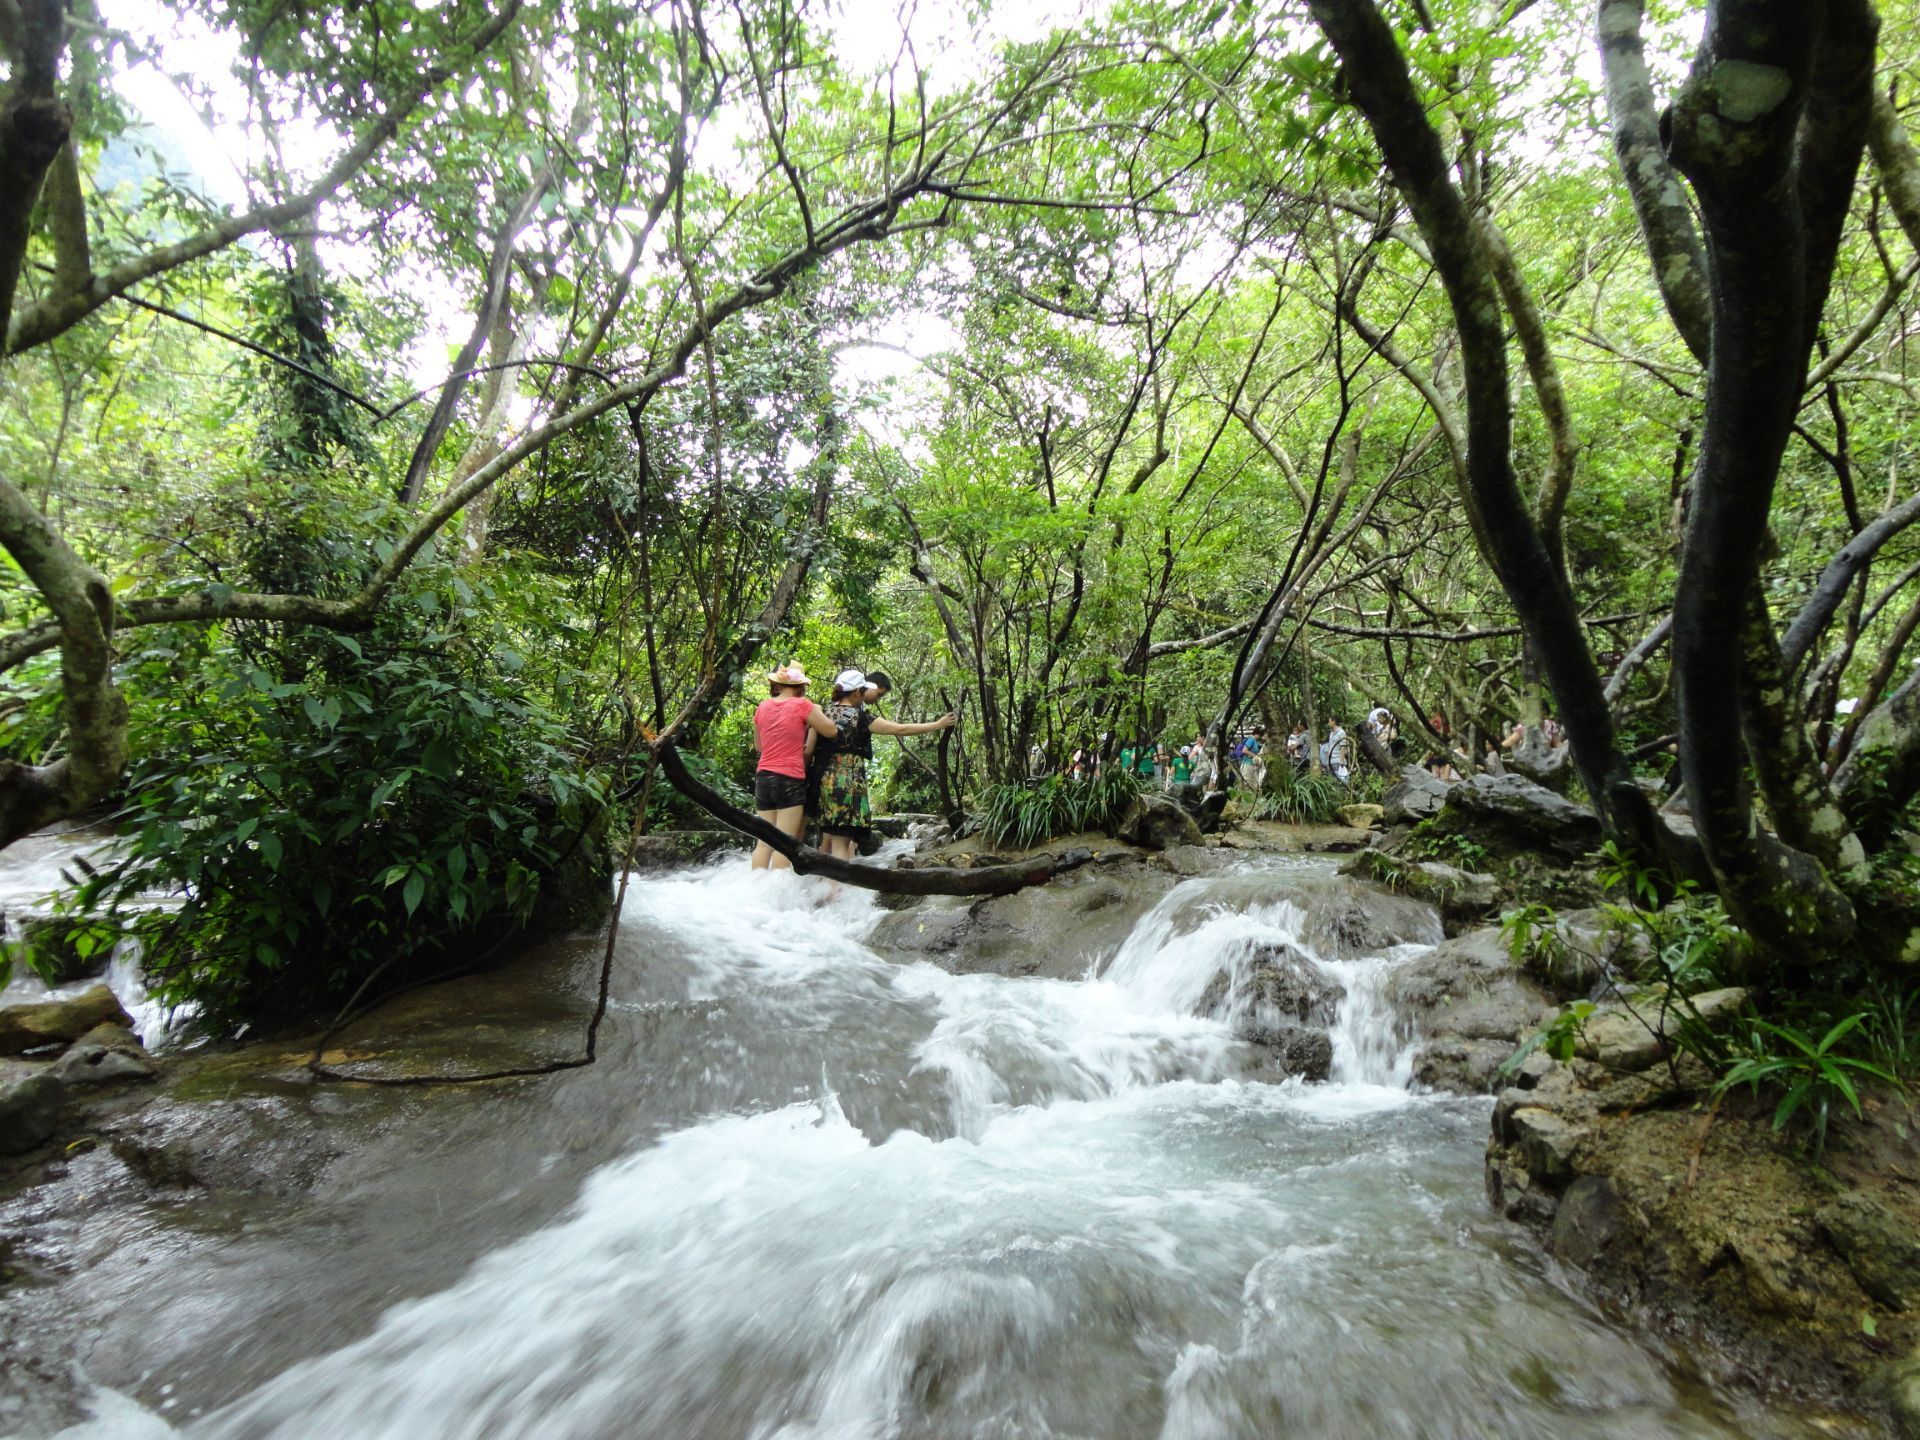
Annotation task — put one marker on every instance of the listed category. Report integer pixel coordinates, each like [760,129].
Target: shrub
[1299,799]
[1023,813]
[381,807]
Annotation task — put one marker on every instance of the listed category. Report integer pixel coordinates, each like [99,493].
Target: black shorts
[777,792]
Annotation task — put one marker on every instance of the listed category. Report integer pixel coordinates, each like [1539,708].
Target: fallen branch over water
[937,880]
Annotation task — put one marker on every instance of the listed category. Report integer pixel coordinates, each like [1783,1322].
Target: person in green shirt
[1143,760]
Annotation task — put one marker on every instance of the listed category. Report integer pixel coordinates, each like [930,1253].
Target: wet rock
[1472,1006]
[1458,1066]
[1154,822]
[1275,980]
[50,945]
[1344,921]
[1457,894]
[1587,1220]
[105,1054]
[54,1022]
[1056,931]
[1288,1051]
[1902,1386]
[30,1102]
[670,849]
[1636,1034]
[1545,1141]
[1511,813]
[904,825]
[1277,998]
[1882,1253]
[1417,795]
[1360,817]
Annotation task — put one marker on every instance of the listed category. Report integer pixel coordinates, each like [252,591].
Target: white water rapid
[810,1193]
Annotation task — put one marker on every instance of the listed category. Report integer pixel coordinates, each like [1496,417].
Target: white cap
[848,680]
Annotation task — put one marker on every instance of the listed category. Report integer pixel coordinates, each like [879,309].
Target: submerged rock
[55,1022]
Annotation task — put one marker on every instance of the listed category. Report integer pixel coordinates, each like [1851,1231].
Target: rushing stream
[810,1193]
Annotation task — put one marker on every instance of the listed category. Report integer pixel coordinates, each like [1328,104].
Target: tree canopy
[1134,374]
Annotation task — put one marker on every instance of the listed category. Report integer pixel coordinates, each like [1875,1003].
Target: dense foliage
[1180,367]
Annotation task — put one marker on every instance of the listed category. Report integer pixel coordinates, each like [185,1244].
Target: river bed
[813,1193]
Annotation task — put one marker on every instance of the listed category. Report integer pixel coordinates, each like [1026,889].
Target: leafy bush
[1809,1074]
[1023,813]
[1297,799]
[1814,1054]
[373,812]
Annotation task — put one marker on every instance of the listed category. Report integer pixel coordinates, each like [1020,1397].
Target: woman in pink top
[785,722]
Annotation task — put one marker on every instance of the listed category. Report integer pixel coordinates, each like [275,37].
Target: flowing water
[812,1194]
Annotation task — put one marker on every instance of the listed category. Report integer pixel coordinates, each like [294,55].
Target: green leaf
[271,850]
[415,891]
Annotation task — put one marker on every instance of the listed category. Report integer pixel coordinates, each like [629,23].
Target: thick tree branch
[1831,588]
[1376,74]
[1666,220]
[933,880]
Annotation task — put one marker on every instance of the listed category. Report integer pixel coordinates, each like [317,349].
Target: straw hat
[790,674]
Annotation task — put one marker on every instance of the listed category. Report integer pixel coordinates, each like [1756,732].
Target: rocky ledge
[56,1046]
[1796,1272]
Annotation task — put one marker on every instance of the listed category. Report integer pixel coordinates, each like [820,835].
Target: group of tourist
[813,758]
[1169,767]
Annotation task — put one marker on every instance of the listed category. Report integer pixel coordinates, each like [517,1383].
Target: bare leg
[793,821]
[763,852]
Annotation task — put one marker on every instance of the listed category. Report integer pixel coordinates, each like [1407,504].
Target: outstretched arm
[894,727]
[817,721]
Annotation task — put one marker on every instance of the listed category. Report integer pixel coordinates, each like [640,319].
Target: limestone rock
[47,944]
[1298,1050]
[1458,1066]
[1588,1219]
[1472,1007]
[1277,979]
[1883,1254]
[54,1022]
[1511,813]
[1547,765]
[105,1054]
[1154,822]
[1344,922]
[29,1108]
[1417,795]
[670,849]
[1457,894]
[1545,1141]
[1278,999]
[1902,1384]
[1360,816]
[1623,1036]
